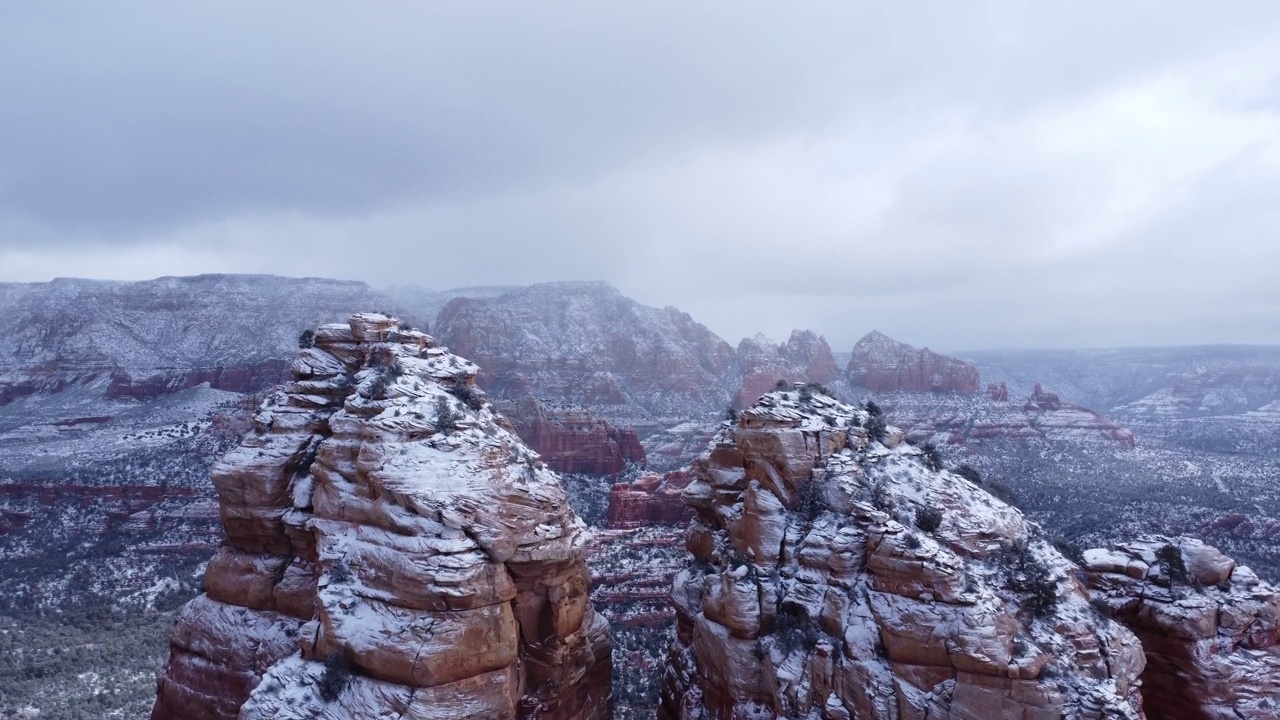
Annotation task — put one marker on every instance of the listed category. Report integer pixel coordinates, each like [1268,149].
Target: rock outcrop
[956,419]
[586,344]
[881,364]
[570,440]
[837,576]
[1050,416]
[1210,627]
[141,340]
[392,550]
[650,499]
[676,447]
[247,378]
[804,357]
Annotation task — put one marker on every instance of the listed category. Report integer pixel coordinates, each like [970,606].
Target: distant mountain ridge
[108,450]
[586,343]
[580,343]
[882,364]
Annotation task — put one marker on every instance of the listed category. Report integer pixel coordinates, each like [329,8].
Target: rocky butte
[881,364]
[586,344]
[839,572]
[392,550]
[804,357]
[570,440]
[1210,627]
[650,499]
[142,340]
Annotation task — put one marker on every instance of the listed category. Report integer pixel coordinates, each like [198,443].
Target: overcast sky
[958,174]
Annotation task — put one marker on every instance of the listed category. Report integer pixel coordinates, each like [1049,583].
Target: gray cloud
[962,175]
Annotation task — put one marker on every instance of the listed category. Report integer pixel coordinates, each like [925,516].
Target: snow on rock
[586,344]
[881,364]
[804,357]
[571,440]
[381,517]
[650,499]
[142,340]
[1042,416]
[1210,627]
[835,576]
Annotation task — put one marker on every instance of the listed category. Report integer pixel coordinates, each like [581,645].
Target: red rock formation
[14,389]
[650,499]
[381,516]
[882,364]
[809,597]
[142,339]
[999,393]
[570,440]
[586,344]
[959,419]
[1212,638]
[676,447]
[1041,400]
[247,379]
[804,357]
[1051,415]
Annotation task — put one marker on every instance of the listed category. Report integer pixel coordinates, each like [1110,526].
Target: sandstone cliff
[804,357]
[956,419]
[140,340]
[1210,627]
[838,576]
[586,344]
[881,364]
[571,440]
[392,550]
[650,499]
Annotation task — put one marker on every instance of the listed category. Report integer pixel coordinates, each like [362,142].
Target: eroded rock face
[676,447]
[815,592]
[650,499]
[244,378]
[1212,638]
[956,419]
[570,440]
[804,357]
[881,364]
[382,517]
[586,344]
[142,340]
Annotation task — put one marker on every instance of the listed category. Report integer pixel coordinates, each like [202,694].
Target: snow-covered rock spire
[392,550]
[839,572]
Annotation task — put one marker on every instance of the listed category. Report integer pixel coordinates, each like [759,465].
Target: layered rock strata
[570,440]
[650,499]
[392,550]
[804,357]
[676,447]
[881,364]
[1210,627]
[584,343]
[956,419]
[246,378]
[838,576]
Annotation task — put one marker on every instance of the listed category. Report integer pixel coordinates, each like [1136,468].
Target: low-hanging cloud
[962,175]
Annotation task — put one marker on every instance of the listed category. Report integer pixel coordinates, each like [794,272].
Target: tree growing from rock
[1170,559]
[877,429]
[932,456]
[335,678]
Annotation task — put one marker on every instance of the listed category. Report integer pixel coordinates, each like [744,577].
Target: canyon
[106,504]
